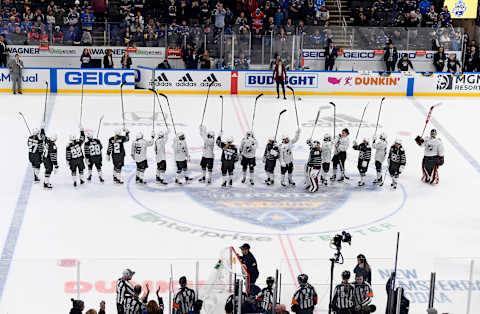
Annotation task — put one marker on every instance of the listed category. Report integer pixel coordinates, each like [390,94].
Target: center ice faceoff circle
[265,209]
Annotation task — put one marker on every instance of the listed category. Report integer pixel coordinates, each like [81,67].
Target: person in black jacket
[471,60]
[453,65]
[363,268]
[439,59]
[77,306]
[85,58]
[404,63]
[390,57]
[250,263]
[108,59]
[330,55]
[3,52]
[126,60]
[404,302]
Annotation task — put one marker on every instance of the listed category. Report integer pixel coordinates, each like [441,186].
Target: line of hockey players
[42,149]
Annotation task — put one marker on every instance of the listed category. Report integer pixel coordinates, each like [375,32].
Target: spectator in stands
[71,36]
[220,14]
[108,59]
[57,36]
[242,62]
[153,307]
[289,28]
[77,306]
[331,55]
[50,19]
[87,20]
[323,15]
[241,19]
[15,66]
[164,65]
[363,268]
[91,311]
[257,17]
[439,59]
[390,57]
[471,60]
[279,17]
[126,60]
[404,63]
[3,52]
[27,14]
[73,17]
[247,257]
[138,37]
[60,16]
[86,39]
[127,37]
[85,58]
[205,62]
[316,40]
[18,37]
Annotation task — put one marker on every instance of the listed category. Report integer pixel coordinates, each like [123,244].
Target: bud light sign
[294,79]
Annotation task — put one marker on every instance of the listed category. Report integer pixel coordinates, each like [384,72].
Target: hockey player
[364,156]
[229,158]
[117,150]
[305,298]
[433,157]
[74,155]
[182,156]
[184,299]
[343,302]
[266,296]
[50,159]
[396,161]
[380,147]
[160,142]
[207,154]
[248,148]
[340,154]
[35,145]
[326,157]
[270,160]
[93,155]
[314,165]
[286,157]
[139,154]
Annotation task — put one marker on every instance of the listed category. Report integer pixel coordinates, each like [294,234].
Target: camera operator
[305,298]
[363,268]
[342,302]
[362,295]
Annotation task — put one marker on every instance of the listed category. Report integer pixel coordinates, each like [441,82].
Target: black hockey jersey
[74,149]
[453,65]
[115,145]
[229,151]
[271,152]
[315,157]
[50,153]
[36,145]
[397,155]
[404,65]
[365,151]
[93,148]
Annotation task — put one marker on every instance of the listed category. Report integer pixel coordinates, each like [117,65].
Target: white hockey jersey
[433,146]
[342,144]
[160,153]
[208,143]
[248,147]
[139,149]
[326,152]
[286,155]
[180,149]
[380,147]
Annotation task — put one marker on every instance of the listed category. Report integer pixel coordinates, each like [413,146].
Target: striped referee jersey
[305,297]
[124,288]
[265,297]
[343,296]
[184,300]
[133,305]
[362,294]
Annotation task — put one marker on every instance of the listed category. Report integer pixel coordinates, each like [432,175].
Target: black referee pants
[344,311]
[120,308]
[280,82]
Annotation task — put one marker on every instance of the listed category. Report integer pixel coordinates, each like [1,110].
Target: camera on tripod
[337,240]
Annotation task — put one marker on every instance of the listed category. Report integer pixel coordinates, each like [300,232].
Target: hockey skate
[101,179]
[137,179]
[201,180]
[267,180]
[75,184]
[283,184]
[187,179]
[35,179]
[290,182]
[333,178]
[81,181]
[377,180]
[271,182]
[89,178]
[178,182]
[393,185]
[230,183]
[47,185]
[209,181]
[224,184]
[341,179]
[251,182]
[244,179]
[361,183]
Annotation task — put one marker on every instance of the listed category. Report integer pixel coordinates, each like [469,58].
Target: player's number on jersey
[76,152]
[138,150]
[32,147]
[95,150]
[116,148]
[228,155]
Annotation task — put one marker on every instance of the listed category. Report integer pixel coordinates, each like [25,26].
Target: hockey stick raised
[170,110]
[160,106]
[315,124]
[45,104]
[81,105]
[206,100]
[278,122]
[255,108]
[121,98]
[153,114]
[25,120]
[99,125]
[361,121]
[294,103]
[429,116]
[334,117]
[221,118]
[378,117]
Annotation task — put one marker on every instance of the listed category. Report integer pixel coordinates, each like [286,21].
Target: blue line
[17,219]
[410,83]
[472,161]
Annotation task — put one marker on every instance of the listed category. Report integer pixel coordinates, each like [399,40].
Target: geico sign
[99,78]
[295,80]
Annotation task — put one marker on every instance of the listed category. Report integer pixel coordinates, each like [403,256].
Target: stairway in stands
[341,36]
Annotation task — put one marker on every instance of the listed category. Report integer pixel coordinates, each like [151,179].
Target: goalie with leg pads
[396,161]
[380,147]
[433,156]
[364,156]
[314,165]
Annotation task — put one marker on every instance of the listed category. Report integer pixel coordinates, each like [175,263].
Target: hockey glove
[419,140]
[401,169]
[283,165]
[441,160]
[108,157]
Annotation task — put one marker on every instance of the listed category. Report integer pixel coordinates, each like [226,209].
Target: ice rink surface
[100,229]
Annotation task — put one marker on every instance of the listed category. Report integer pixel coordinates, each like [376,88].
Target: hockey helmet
[327,137]
[182,281]
[346,131]
[211,134]
[118,131]
[35,131]
[302,279]
[249,133]
[89,134]
[383,136]
[229,139]
[53,137]
[139,135]
[285,138]
[398,141]
[433,132]
[270,281]
[161,134]
[316,143]
[181,136]
[72,138]
[345,275]
[366,140]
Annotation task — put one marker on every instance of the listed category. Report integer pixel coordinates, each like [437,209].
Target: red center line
[294,280]
[240,106]
[237,114]
[294,254]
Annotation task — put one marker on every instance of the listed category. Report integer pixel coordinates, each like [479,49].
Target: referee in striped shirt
[124,288]
[362,295]
[305,298]
[184,299]
[343,301]
[133,304]
[266,296]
